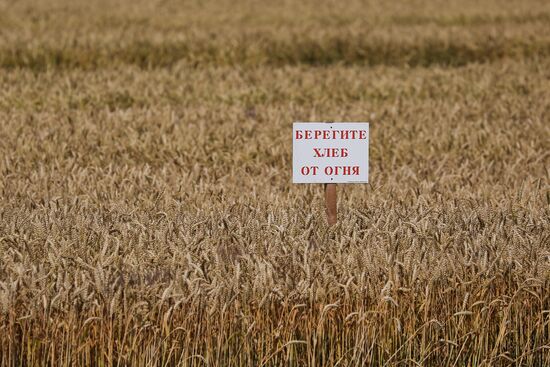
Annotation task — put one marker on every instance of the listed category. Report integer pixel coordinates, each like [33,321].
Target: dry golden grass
[147,214]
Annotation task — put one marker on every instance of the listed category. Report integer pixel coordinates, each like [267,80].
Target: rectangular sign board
[336,152]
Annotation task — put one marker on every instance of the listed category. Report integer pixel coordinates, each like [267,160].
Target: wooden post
[330,201]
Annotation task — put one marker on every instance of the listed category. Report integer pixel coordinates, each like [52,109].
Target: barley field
[148,215]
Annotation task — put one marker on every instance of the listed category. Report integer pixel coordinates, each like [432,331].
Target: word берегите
[331,134]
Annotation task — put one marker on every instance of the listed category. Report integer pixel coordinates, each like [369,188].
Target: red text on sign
[309,170]
[330,152]
[331,134]
[342,170]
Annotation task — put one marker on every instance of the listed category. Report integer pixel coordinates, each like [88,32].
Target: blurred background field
[63,34]
[147,214]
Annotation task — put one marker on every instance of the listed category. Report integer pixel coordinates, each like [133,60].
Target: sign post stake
[330,201]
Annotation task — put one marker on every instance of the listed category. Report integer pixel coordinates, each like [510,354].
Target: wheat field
[148,215]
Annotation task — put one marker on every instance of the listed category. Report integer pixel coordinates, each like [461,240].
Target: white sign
[330,152]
